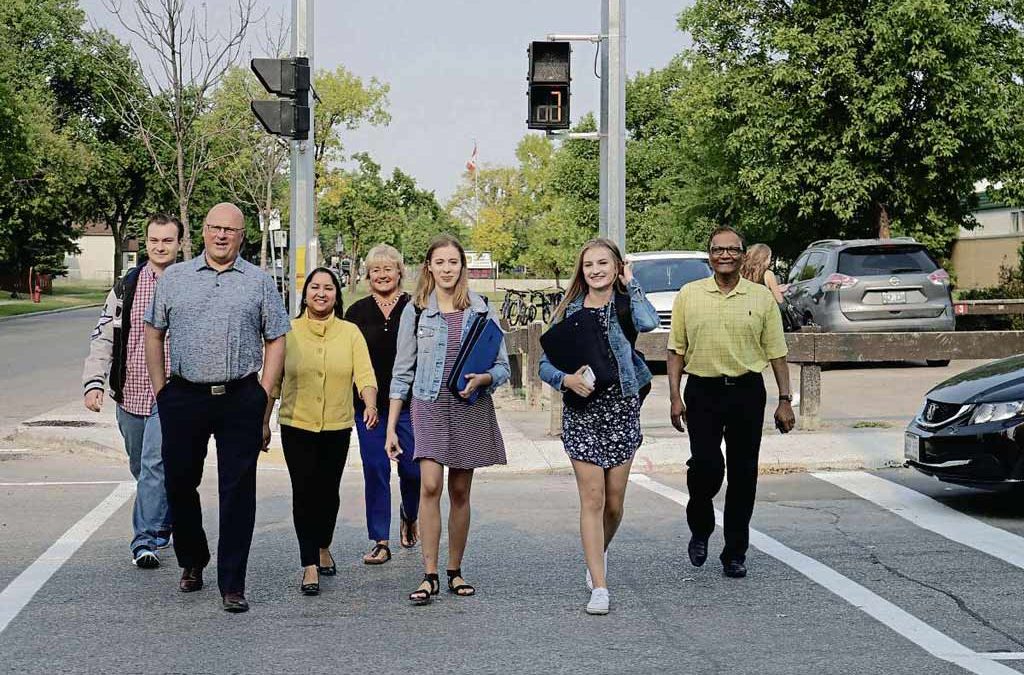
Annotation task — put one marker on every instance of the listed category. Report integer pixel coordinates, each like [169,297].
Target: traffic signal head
[283,118]
[549,77]
[285,77]
[288,78]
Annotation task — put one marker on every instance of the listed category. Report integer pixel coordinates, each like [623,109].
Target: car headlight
[995,412]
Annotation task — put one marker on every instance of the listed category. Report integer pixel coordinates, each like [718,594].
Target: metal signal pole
[304,249]
[613,122]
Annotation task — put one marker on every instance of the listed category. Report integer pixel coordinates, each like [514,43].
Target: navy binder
[477,355]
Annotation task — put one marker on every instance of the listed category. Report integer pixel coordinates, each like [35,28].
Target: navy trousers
[377,473]
[189,415]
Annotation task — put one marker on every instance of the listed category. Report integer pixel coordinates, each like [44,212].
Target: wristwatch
[786,397]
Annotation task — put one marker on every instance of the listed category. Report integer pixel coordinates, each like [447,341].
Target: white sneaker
[599,601]
[590,581]
[146,559]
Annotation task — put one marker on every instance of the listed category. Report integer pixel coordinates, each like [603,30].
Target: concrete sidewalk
[72,428]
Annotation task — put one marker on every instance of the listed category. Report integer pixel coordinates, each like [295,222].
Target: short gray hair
[384,252]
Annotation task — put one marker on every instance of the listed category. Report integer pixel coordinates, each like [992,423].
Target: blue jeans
[142,441]
[377,473]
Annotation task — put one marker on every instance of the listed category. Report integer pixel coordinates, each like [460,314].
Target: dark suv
[871,285]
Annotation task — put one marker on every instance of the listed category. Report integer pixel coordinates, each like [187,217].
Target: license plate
[894,297]
[912,447]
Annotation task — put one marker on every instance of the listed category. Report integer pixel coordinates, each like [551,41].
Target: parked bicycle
[521,308]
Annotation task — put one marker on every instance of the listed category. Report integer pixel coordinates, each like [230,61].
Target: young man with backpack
[117,357]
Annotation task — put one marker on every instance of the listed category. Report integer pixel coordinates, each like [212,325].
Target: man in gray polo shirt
[227,321]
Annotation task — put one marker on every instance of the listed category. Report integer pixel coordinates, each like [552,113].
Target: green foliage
[362,209]
[818,118]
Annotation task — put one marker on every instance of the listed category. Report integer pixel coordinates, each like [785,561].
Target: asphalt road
[97,613]
[41,362]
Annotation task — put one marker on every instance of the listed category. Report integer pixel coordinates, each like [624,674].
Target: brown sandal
[373,557]
[407,537]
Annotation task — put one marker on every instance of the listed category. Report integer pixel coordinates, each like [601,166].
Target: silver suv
[871,285]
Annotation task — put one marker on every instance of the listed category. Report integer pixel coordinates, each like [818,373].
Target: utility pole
[303,252]
[613,122]
[612,130]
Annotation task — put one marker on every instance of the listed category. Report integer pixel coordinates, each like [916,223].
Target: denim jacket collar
[476,304]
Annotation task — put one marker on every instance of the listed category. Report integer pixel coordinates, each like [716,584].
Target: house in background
[95,262]
[979,253]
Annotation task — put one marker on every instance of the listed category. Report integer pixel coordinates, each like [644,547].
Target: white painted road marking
[934,642]
[61,482]
[926,513]
[21,591]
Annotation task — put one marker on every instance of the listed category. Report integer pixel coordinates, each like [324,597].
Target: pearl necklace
[389,303]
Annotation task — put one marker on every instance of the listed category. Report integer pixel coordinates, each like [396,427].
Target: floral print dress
[606,431]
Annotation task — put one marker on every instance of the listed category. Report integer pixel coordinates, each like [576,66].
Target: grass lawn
[65,295]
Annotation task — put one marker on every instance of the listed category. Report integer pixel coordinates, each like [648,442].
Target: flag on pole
[471,164]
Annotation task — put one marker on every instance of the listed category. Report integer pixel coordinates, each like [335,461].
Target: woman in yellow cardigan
[324,357]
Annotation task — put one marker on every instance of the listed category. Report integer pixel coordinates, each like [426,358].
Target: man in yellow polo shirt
[725,331]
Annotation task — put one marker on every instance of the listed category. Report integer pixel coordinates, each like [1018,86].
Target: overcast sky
[457,68]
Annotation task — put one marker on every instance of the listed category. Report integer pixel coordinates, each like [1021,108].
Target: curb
[49,311]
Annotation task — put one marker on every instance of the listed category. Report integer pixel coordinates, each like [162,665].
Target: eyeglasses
[734,251]
[225,231]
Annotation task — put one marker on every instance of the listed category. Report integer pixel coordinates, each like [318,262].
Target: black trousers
[189,415]
[733,409]
[315,463]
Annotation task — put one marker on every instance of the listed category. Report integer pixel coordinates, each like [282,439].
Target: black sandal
[328,570]
[405,533]
[372,559]
[311,588]
[463,590]
[422,596]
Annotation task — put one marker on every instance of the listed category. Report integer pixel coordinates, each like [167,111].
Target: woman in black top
[378,317]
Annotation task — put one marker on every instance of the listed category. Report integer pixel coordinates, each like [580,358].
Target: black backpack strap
[624,312]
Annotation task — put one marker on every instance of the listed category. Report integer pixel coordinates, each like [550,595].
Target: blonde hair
[382,253]
[425,284]
[755,263]
[578,286]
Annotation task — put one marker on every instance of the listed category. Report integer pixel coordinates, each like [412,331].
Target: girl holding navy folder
[448,430]
[601,420]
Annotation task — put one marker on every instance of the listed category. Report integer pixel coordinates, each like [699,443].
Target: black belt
[728,380]
[215,388]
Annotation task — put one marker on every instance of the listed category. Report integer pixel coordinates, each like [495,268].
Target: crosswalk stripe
[933,641]
[24,587]
[929,514]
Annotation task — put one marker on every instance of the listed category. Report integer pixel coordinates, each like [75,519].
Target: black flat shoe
[698,551]
[310,588]
[734,569]
[462,590]
[423,596]
[329,570]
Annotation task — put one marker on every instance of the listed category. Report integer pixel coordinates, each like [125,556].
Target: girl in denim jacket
[448,431]
[602,436]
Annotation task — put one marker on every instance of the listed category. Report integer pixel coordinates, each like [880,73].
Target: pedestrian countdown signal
[549,78]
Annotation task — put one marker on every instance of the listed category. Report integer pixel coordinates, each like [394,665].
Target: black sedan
[971,428]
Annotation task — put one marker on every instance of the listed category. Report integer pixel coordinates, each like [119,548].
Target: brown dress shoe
[235,603]
[191,579]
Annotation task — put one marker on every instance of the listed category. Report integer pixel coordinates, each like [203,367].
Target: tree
[344,102]
[835,119]
[46,131]
[192,58]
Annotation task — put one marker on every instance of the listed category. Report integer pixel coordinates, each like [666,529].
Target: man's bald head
[226,214]
[223,233]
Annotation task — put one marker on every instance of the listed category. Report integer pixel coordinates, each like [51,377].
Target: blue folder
[477,355]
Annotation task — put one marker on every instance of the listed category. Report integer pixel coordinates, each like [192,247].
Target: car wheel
[938,363]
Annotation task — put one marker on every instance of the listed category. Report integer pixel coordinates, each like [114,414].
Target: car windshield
[884,260]
[669,274]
